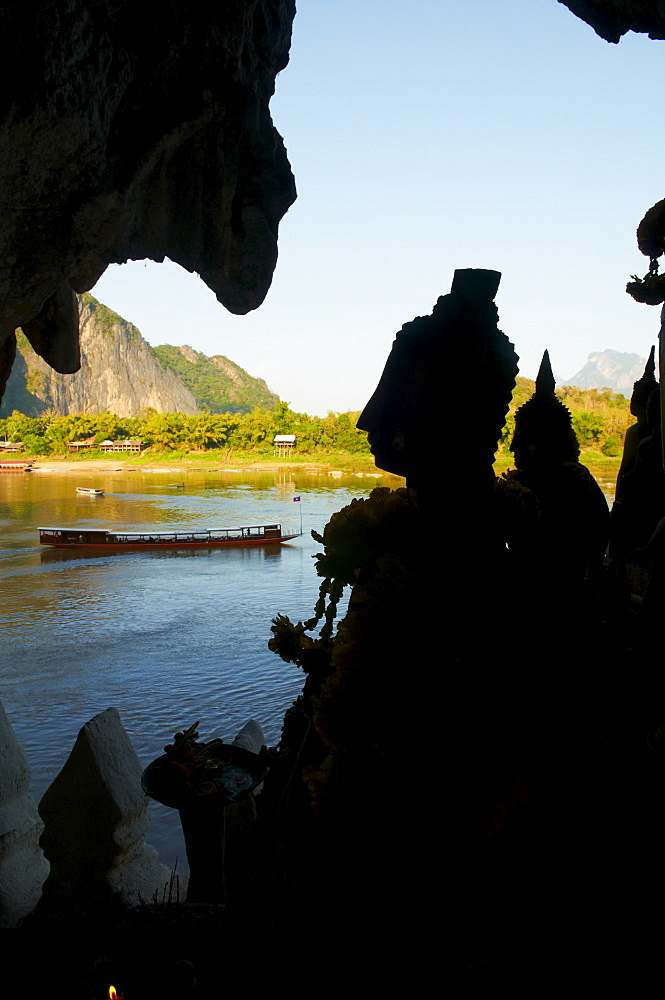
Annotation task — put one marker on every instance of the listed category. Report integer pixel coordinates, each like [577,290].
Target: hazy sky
[426,135]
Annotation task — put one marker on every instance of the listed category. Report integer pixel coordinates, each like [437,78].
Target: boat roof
[149,531]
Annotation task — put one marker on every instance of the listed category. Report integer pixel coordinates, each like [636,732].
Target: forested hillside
[217,384]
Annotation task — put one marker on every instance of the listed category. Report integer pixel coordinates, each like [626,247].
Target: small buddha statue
[638,407]
[566,544]
[640,496]
[639,500]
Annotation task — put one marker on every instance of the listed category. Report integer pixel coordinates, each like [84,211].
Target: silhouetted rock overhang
[613,18]
[134,131]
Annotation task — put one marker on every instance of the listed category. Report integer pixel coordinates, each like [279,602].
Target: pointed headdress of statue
[644,386]
[544,432]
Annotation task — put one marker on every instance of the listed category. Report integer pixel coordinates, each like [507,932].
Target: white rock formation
[96,815]
[23,867]
[250,737]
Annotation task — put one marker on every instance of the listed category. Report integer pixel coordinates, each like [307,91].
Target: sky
[427,135]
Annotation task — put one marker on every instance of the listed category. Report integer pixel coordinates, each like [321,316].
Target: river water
[167,638]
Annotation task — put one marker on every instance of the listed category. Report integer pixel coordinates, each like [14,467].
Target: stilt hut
[284,445]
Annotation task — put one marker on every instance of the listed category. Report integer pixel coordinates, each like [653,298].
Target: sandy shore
[114,465]
[55,465]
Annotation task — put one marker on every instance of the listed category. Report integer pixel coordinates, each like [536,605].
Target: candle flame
[112,993]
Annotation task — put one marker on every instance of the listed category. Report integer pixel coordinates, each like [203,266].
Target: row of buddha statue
[560,522]
[446,731]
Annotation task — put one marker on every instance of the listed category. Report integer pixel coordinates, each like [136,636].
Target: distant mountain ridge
[616,370]
[121,373]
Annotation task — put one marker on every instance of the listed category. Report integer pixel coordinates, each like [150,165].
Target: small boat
[214,538]
[90,492]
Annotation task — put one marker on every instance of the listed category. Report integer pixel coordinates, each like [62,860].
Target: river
[168,638]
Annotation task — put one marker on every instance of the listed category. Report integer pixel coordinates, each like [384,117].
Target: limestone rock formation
[119,373]
[23,867]
[136,132]
[613,18]
[617,370]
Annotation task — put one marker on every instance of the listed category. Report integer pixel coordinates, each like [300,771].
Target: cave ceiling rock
[132,131]
[613,18]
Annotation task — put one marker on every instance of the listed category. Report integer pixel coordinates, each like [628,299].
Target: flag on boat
[296,499]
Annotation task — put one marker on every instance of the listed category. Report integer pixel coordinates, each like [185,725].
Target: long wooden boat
[15,466]
[96,538]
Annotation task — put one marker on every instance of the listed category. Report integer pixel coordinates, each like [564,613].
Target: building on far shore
[284,445]
[85,445]
[129,444]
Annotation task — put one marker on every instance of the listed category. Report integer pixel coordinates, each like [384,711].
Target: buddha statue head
[446,386]
[544,434]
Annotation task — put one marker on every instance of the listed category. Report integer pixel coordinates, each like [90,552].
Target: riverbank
[360,465]
[74,465]
[599,465]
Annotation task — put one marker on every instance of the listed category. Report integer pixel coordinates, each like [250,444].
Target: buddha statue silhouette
[642,389]
[640,477]
[640,497]
[566,545]
[447,383]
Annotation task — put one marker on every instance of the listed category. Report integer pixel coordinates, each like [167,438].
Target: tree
[35,444]
[209,430]
[588,426]
[166,430]
[17,425]
[254,429]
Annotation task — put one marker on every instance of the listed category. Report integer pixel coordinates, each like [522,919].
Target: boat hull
[122,540]
[152,546]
